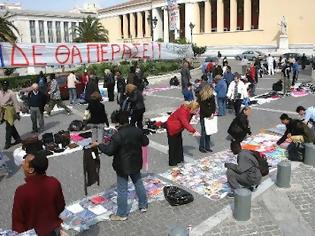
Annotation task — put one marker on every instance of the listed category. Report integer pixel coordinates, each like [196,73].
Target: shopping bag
[211,125]
[145,161]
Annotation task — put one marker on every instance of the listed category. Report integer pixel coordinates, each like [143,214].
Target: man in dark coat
[91,87]
[126,147]
[246,172]
[239,127]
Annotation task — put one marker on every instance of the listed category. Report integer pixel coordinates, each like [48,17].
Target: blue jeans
[72,95]
[204,139]
[221,105]
[122,192]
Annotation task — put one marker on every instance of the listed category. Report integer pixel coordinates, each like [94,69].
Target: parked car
[211,59]
[64,92]
[250,55]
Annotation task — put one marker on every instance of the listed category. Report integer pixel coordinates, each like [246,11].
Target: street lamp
[191,26]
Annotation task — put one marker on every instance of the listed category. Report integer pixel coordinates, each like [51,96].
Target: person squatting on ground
[221,90]
[175,124]
[126,147]
[71,83]
[308,115]
[246,172]
[109,83]
[98,117]
[55,97]
[37,102]
[237,92]
[206,100]
[9,112]
[136,99]
[38,203]
[239,127]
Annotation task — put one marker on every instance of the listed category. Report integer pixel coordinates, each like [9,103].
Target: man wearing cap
[38,203]
[9,112]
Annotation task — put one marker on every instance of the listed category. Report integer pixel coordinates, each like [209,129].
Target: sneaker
[114,217]
[209,150]
[231,195]
[202,150]
[7,146]
[143,210]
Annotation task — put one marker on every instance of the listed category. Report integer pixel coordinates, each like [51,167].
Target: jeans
[222,105]
[37,115]
[204,139]
[72,95]
[137,117]
[97,132]
[122,193]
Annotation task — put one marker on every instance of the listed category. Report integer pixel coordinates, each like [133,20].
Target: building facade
[217,24]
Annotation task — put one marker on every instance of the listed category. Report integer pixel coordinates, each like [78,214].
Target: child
[188,93]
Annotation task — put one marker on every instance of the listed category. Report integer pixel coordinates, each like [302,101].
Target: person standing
[136,99]
[131,75]
[9,112]
[221,90]
[37,102]
[42,83]
[295,70]
[109,83]
[121,87]
[303,61]
[91,87]
[55,97]
[185,76]
[206,100]
[71,83]
[252,79]
[239,127]
[237,92]
[270,61]
[228,75]
[175,124]
[98,117]
[244,64]
[38,203]
[245,173]
[308,115]
[126,147]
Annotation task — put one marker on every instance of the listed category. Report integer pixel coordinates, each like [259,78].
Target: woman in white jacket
[237,92]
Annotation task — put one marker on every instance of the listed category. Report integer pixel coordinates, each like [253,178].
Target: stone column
[147,24]
[166,28]
[125,27]
[207,16]
[220,15]
[140,25]
[62,30]
[233,15]
[247,14]
[158,29]
[132,25]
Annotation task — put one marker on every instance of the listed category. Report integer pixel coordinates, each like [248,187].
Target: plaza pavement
[293,215]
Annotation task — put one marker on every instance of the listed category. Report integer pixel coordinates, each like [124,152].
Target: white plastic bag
[211,125]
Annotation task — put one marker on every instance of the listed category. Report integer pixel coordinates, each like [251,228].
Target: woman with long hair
[175,124]
[137,105]
[206,100]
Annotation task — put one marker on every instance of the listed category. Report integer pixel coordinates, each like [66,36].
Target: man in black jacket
[126,147]
[239,127]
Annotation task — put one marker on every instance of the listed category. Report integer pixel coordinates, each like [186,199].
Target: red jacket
[37,205]
[252,73]
[179,120]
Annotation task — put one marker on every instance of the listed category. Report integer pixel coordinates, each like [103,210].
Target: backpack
[174,81]
[262,162]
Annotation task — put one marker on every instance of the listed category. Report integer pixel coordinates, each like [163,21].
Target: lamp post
[191,26]
[153,22]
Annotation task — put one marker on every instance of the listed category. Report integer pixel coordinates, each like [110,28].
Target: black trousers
[10,131]
[137,118]
[237,105]
[110,90]
[175,149]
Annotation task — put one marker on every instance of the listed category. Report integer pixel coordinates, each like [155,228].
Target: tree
[7,29]
[91,30]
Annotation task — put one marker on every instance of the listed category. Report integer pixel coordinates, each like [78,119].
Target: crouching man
[245,173]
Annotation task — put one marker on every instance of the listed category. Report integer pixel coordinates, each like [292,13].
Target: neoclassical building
[216,23]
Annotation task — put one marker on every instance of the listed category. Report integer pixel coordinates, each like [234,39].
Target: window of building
[58,32]
[128,18]
[144,22]
[121,26]
[50,32]
[73,30]
[240,15]
[66,31]
[136,24]
[202,16]
[255,14]
[226,7]
[33,31]
[213,15]
[41,31]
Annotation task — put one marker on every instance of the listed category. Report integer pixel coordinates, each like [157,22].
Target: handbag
[211,125]
[177,196]
[87,115]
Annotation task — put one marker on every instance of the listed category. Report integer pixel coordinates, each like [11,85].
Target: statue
[283,26]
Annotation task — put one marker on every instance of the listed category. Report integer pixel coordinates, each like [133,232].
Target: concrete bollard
[178,230]
[242,204]
[309,158]
[284,174]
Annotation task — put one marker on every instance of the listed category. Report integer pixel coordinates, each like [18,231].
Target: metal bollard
[242,204]
[178,230]
[309,158]
[284,174]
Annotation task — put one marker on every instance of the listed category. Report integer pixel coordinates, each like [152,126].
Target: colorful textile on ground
[265,98]
[150,91]
[13,233]
[81,215]
[207,176]
[299,93]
